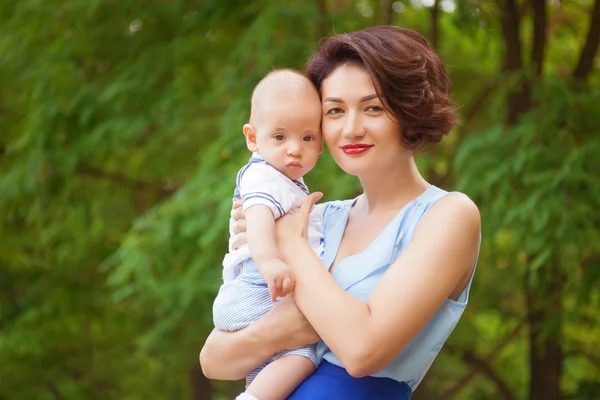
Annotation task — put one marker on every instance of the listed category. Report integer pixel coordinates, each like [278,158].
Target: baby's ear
[250,134]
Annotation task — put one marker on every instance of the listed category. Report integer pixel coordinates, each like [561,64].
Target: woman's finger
[239,226]
[237,204]
[309,202]
[237,213]
[238,240]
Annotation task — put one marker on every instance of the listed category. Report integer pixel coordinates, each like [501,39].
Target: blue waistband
[330,382]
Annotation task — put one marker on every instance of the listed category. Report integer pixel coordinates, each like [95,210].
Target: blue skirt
[330,382]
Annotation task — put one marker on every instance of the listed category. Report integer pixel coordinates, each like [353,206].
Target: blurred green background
[120,136]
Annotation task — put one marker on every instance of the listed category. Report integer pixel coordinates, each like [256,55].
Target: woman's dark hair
[409,78]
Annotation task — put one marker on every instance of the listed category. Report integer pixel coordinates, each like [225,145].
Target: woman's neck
[392,189]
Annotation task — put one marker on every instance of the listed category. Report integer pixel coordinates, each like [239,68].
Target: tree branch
[504,391]
[590,48]
[52,388]
[478,103]
[558,17]
[590,358]
[464,381]
[127,182]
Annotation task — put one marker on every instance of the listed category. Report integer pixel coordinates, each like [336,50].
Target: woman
[399,258]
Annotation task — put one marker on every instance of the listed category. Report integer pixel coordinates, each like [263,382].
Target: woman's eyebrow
[369,97]
[362,99]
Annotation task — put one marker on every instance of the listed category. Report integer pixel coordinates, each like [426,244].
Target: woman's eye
[279,137]
[374,108]
[308,138]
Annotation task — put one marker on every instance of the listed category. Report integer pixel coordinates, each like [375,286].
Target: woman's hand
[294,224]
[292,329]
[239,228]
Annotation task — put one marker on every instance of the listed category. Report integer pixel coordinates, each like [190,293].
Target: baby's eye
[308,138]
[333,111]
[279,137]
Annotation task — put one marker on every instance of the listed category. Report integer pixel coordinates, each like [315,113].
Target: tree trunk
[384,12]
[544,308]
[435,25]
[540,19]
[519,99]
[322,22]
[588,52]
[544,313]
[423,392]
[200,388]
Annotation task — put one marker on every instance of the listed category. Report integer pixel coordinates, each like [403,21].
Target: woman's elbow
[213,369]
[207,368]
[360,369]
[362,364]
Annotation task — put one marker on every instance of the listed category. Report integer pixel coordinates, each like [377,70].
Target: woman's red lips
[356,148]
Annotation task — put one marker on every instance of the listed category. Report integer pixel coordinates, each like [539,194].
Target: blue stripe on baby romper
[265,196]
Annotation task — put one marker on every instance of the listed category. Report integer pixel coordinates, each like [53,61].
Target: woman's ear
[250,134]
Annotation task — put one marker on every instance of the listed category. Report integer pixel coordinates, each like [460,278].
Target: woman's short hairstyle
[409,78]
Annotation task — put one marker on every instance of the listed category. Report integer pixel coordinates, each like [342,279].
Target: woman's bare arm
[233,355]
[367,336]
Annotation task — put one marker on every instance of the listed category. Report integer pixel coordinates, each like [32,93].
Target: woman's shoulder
[457,203]
[448,201]
[447,213]
[453,215]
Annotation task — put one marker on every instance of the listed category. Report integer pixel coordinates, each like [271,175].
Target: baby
[284,136]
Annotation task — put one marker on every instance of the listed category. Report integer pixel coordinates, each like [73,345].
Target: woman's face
[360,135]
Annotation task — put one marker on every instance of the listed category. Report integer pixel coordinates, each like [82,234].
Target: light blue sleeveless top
[360,273]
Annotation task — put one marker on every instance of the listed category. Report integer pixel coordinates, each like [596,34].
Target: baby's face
[288,135]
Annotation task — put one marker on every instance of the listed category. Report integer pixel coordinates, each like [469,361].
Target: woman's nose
[353,126]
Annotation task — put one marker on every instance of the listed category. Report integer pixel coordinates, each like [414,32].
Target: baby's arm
[261,240]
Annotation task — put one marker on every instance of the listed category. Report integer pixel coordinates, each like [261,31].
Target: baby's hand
[278,277]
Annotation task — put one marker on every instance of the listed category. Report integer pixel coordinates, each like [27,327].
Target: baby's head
[285,123]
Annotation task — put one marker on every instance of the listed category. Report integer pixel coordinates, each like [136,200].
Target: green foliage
[120,137]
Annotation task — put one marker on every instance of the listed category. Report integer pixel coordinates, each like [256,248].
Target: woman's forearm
[341,325]
[233,355]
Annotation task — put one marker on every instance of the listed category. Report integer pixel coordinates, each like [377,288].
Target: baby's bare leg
[281,377]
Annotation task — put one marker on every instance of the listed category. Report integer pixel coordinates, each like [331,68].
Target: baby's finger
[288,286]
[273,292]
[279,285]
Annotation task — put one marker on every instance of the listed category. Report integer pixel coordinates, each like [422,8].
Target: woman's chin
[353,168]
